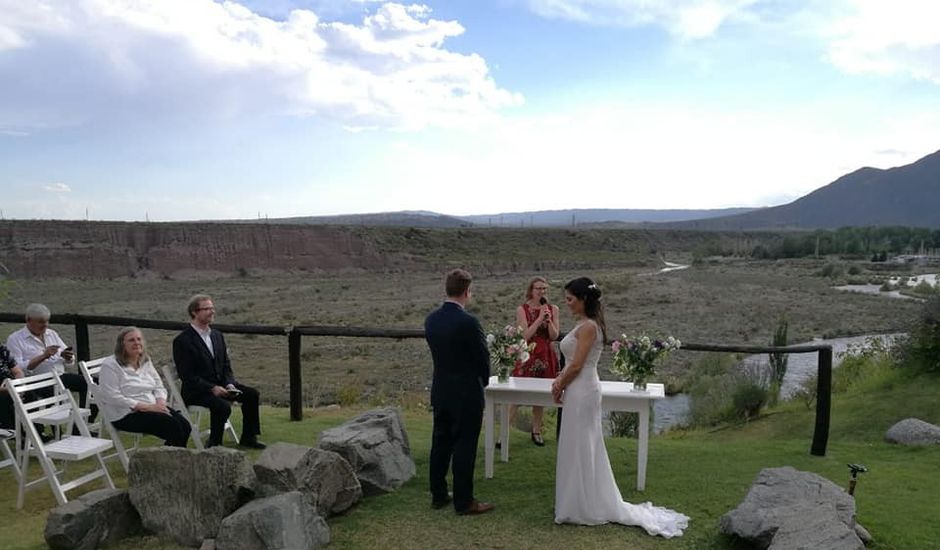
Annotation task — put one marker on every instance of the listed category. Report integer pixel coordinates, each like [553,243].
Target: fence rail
[295,334]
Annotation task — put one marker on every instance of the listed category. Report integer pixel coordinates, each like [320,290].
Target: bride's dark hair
[586,290]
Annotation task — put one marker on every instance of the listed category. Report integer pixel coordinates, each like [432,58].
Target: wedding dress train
[585,490]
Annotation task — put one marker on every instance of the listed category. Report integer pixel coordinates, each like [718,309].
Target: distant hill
[407,218]
[906,195]
[556,218]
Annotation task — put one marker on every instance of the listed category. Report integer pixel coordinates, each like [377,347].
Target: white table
[615,396]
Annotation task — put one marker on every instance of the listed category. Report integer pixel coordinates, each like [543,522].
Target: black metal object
[294,376]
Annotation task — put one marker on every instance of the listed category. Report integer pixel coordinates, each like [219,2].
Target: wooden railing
[296,333]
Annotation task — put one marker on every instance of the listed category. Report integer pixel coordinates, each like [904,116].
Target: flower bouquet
[507,349]
[635,358]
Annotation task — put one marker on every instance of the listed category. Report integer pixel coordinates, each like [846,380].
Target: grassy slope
[701,473]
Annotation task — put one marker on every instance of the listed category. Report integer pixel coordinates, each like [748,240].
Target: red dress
[542,362]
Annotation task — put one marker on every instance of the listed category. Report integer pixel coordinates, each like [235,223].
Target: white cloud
[57,188]
[888,38]
[118,58]
[686,19]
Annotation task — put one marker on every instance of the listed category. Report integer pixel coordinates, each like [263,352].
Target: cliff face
[80,249]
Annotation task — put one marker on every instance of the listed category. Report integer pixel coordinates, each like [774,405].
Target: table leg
[504,431]
[643,445]
[488,414]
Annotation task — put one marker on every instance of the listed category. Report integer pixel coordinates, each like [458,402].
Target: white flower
[490,338]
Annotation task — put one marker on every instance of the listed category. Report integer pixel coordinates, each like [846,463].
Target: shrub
[350,394]
[806,392]
[748,399]
[831,270]
[623,424]
[778,361]
[924,288]
[867,366]
[923,348]
[855,270]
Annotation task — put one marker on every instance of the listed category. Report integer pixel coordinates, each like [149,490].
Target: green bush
[923,348]
[623,424]
[855,270]
[832,270]
[866,367]
[806,392]
[748,399]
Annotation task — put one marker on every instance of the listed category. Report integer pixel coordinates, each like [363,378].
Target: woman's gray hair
[37,311]
[119,353]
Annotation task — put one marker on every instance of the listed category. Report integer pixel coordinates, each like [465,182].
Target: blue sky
[194,109]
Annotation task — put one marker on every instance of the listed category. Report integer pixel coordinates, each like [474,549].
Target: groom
[461,370]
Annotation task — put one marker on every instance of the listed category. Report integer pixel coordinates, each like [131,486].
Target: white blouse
[121,388]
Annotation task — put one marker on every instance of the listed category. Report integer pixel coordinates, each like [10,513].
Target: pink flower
[616,346]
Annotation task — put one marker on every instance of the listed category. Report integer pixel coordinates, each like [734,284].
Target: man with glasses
[206,373]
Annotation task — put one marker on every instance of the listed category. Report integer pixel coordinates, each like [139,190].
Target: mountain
[405,218]
[905,195]
[549,218]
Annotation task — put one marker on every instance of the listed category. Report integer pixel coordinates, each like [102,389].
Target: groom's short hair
[457,282]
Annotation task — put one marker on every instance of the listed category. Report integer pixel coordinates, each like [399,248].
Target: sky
[167,110]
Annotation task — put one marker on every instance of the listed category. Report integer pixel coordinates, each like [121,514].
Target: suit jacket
[198,369]
[460,355]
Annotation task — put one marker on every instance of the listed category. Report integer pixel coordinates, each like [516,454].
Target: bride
[585,490]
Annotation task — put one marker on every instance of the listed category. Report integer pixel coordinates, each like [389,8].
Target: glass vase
[502,374]
[639,384]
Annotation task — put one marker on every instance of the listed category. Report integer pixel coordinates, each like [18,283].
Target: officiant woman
[540,321]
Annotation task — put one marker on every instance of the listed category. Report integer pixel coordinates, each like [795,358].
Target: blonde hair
[528,290]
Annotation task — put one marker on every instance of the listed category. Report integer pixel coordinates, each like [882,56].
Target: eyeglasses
[540,288]
[205,309]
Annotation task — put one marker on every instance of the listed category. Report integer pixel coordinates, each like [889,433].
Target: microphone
[542,301]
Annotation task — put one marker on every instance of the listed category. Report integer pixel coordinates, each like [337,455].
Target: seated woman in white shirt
[132,395]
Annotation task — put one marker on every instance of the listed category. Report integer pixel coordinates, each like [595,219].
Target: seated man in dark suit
[206,373]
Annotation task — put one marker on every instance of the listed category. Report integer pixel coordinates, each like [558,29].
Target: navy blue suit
[461,371]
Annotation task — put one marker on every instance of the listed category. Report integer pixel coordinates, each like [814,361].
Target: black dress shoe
[253,444]
[437,504]
[537,439]
[476,508]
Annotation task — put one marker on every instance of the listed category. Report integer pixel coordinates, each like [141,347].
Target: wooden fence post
[82,342]
[296,380]
[823,402]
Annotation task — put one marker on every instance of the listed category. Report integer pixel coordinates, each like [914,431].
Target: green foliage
[832,270]
[349,394]
[866,367]
[748,399]
[778,361]
[876,243]
[923,350]
[807,391]
[623,424]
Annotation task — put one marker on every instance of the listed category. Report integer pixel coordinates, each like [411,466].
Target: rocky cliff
[79,249]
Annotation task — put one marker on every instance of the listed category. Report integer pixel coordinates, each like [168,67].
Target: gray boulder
[375,444]
[185,494]
[93,520]
[912,431]
[324,477]
[283,522]
[816,528]
[787,502]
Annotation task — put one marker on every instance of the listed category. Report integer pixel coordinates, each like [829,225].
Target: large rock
[789,503]
[325,478]
[912,431]
[93,520]
[185,494]
[283,522]
[375,444]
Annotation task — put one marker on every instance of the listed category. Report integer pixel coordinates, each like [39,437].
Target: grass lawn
[703,474]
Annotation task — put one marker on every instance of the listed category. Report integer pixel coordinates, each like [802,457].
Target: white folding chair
[193,413]
[69,448]
[89,370]
[8,458]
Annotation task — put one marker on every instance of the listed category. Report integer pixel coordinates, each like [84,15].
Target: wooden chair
[193,413]
[69,448]
[89,370]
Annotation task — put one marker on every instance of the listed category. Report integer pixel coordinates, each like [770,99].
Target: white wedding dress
[585,490]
